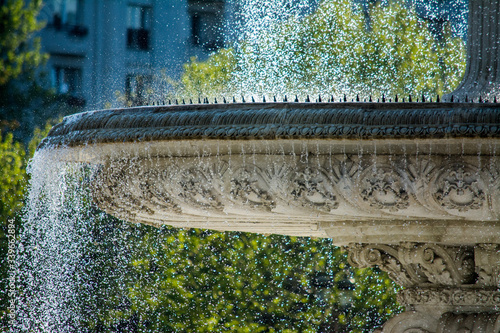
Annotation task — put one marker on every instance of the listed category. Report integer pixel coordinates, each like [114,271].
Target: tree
[19,51]
[332,52]
[205,281]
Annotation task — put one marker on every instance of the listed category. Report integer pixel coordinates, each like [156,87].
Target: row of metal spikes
[205,100]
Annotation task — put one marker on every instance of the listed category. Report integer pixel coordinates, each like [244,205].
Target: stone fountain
[409,186]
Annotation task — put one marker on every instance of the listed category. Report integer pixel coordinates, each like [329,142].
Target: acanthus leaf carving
[413,264]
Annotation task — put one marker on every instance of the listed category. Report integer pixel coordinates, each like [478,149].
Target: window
[136,88]
[68,15]
[206,24]
[67,80]
[67,12]
[138,27]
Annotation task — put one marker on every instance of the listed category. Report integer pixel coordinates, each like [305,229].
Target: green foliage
[12,177]
[18,51]
[335,51]
[204,281]
[13,187]
[208,77]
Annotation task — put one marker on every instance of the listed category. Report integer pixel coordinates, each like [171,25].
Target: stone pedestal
[446,288]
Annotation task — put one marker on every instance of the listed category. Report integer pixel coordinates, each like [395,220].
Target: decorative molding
[376,191]
[417,322]
[412,265]
[457,297]
[487,261]
[273,121]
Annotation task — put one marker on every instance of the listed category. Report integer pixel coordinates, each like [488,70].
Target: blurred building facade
[101,49]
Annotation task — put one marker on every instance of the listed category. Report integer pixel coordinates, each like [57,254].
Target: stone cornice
[280,121]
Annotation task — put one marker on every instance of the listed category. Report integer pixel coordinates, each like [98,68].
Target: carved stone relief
[412,264]
[403,188]
[383,188]
[459,188]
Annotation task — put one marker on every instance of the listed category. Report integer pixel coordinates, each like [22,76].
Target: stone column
[482,74]
[446,288]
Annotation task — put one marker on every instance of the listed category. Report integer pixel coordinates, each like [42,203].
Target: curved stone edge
[279,120]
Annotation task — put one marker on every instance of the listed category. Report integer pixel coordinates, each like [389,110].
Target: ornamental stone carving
[197,188]
[384,189]
[417,322]
[412,264]
[312,189]
[458,188]
[251,189]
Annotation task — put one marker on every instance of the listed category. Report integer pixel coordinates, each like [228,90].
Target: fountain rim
[279,121]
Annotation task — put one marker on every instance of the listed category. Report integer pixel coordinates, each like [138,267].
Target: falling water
[52,245]
[60,248]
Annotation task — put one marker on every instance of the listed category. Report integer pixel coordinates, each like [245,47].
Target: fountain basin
[354,172]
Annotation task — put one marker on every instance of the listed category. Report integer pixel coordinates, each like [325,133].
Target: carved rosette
[248,187]
[459,188]
[383,188]
[312,189]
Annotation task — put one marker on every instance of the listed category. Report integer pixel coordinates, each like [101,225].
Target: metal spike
[263,98]
[345,98]
[332,99]
[409,98]
[437,99]
[370,100]
[357,98]
[451,99]
[234,99]
[199,100]
[430,100]
[242,99]
[215,100]
[224,100]
[403,99]
[319,98]
[274,98]
[285,100]
[176,102]
[480,99]
[378,100]
[396,98]
[163,102]
[383,98]
[253,100]
[364,100]
[296,99]
[390,100]
[466,99]
[307,99]
[169,102]
[423,98]
[183,102]
[494,99]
